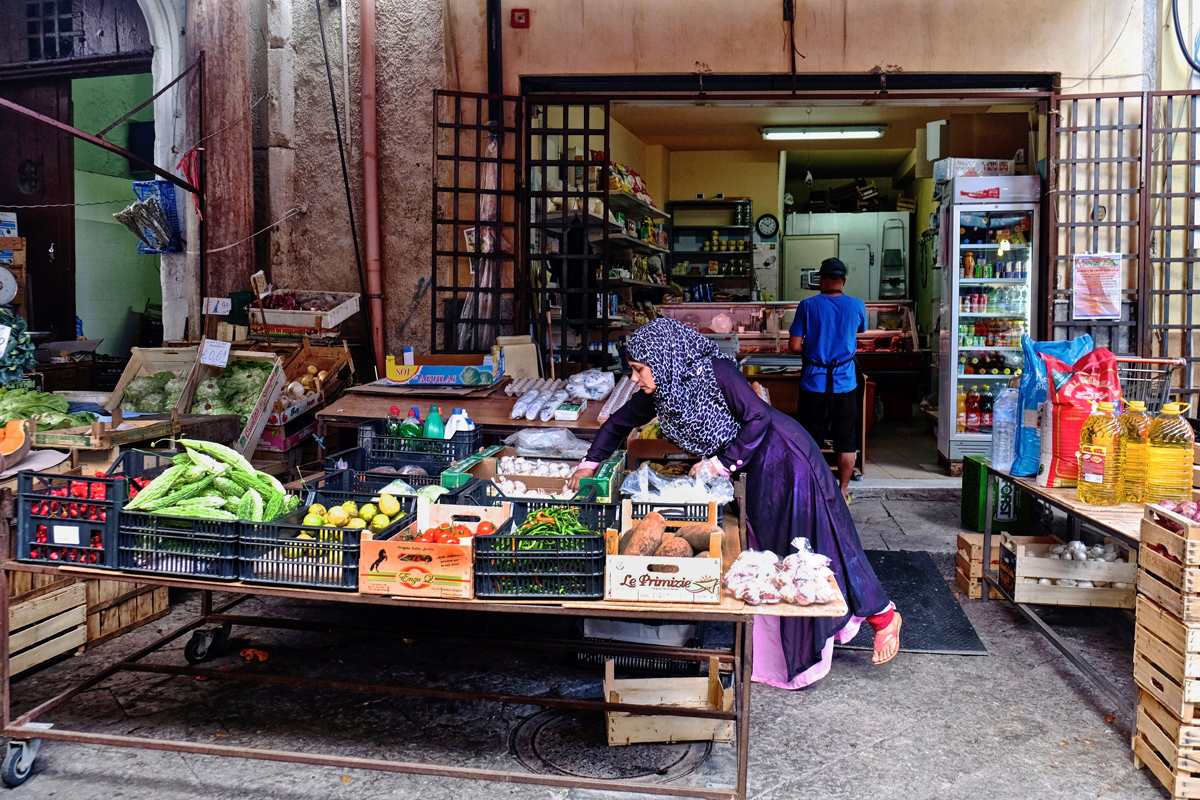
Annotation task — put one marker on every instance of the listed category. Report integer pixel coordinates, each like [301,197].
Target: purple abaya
[790,493]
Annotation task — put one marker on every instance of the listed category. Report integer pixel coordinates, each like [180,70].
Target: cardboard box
[282,438]
[1014,189]
[256,420]
[8,224]
[520,356]
[12,249]
[485,465]
[950,168]
[417,569]
[149,360]
[334,360]
[273,319]
[651,579]
[448,370]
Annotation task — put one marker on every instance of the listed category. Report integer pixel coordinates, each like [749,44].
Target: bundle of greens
[17,358]
[51,411]
[236,391]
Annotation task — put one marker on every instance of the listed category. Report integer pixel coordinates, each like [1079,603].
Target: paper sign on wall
[1096,286]
[258,282]
[220,306]
[215,353]
[5,332]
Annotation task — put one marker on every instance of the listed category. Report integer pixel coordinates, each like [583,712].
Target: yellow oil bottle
[1135,441]
[1169,456]
[1101,471]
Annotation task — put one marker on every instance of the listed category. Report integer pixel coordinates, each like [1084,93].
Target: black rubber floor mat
[934,621]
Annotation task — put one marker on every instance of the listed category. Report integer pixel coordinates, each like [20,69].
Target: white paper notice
[5,332]
[65,534]
[215,353]
[220,306]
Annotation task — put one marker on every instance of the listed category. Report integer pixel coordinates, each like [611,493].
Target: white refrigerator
[989,253]
[873,245]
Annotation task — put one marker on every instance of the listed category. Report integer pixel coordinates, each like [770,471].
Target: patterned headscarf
[691,409]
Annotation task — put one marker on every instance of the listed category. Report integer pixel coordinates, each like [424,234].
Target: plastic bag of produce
[1033,393]
[592,384]
[1074,390]
[647,485]
[548,443]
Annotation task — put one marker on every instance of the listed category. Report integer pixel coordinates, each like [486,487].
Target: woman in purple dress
[706,407]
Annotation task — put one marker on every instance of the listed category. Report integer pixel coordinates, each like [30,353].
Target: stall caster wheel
[206,644]
[18,762]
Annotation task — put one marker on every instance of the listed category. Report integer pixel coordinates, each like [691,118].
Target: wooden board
[1124,520]
[706,693]
[28,585]
[107,435]
[47,626]
[1168,747]
[1159,579]
[972,587]
[488,413]
[117,607]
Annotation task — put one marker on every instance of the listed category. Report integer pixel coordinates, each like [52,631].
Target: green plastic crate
[1013,509]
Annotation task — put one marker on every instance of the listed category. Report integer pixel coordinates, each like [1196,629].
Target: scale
[8,287]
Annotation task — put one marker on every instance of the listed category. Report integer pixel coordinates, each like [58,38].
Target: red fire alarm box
[520,17]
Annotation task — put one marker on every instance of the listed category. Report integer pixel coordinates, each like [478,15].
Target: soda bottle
[962,409]
[985,409]
[973,410]
[1135,438]
[1169,456]
[1101,470]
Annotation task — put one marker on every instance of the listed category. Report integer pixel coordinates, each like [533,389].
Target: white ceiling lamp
[811,132]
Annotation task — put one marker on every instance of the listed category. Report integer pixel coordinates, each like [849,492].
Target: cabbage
[129,405]
[208,390]
[151,403]
[140,387]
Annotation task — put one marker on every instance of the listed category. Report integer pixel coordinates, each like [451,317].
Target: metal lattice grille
[476,241]
[1095,206]
[1173,167]
[568,291]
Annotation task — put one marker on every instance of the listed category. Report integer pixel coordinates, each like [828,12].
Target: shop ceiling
[737,126]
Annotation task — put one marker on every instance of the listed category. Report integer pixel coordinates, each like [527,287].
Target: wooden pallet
[1170,747]
[47,626]
[117,607]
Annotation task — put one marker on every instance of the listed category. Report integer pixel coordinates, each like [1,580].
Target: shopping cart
[1147,379]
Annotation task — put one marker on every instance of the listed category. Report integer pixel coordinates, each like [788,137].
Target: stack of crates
[1166,655]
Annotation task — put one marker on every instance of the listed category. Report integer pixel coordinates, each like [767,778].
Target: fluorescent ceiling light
[793,132]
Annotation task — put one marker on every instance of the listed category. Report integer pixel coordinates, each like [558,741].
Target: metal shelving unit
[731,220]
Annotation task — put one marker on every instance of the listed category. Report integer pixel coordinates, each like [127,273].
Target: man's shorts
[831,416]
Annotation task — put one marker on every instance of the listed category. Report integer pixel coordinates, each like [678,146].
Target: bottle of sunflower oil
[1135,437]
[1169,456]
[1101,471]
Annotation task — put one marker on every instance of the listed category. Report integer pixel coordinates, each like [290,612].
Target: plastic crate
[189,548]
[512,567]
[596,516]
[1013,509]
[68,519]
[384,450]
[357,459]
[272,552]
[678,512]
[140,464]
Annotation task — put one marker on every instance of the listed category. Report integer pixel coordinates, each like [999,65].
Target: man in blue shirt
[824,332]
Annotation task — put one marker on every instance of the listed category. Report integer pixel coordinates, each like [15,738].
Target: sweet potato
[674,547]
[703,555]
[623,542]
[647,536]
[696,534]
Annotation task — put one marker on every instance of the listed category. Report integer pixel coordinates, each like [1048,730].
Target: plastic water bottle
[1004,430]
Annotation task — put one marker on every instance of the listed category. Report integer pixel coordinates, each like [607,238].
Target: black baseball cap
[832,268]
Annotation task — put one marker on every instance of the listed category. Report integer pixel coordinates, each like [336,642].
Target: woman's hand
[581,472]
[707,470]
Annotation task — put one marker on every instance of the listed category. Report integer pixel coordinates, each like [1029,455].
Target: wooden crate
[707,693]
[1170,563]
[1019,562]
[117,607]
[46,626]
[1169,747]
[970,551]
[972,587]
[28,585]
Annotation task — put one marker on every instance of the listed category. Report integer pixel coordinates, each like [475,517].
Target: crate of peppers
[551,554]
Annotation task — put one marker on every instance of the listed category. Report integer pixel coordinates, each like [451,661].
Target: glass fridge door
[994,267]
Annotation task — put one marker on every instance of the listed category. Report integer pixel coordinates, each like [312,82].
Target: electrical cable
[1187,56]
[362,281]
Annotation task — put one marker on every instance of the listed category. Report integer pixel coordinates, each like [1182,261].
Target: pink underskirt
[770,666]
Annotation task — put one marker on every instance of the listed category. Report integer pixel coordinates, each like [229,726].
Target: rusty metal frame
[739,656]
[462,122]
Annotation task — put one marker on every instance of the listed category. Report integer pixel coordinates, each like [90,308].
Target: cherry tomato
[433,532]
[485,528]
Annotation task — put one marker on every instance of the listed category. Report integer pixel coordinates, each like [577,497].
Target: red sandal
[885,637]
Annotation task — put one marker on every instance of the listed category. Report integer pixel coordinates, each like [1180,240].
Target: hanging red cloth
[189,165]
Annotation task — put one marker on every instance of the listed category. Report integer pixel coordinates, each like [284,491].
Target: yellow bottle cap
[1135,405]
[1174,409]
[1104,407]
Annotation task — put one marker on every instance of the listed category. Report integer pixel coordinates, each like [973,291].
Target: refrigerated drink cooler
[989,271]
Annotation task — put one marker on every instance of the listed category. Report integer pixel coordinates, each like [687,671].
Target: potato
[623,542]
[674,547]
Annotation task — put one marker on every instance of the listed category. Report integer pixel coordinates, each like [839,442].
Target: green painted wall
[112,280]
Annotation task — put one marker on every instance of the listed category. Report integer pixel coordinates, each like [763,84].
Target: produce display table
[1122,523]
[26,732]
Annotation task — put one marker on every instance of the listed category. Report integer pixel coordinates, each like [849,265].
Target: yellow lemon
[351,508]
[337,517]
[379,522]
[367,511]
[316,508]
[388,505]
[313,519]
[358,523]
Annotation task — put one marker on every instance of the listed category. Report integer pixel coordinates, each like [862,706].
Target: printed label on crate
[65,534]
[677,580]
[1005,509]
[416,569]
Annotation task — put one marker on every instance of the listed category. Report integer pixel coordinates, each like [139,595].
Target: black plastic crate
[180,546]
[677,512]
[383,450]
[357,459]
[513,567]
[596,516]
[276,553]
[68,519]
[348,484]
[141,464]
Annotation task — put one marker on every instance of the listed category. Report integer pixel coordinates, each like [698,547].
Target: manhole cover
[574,743]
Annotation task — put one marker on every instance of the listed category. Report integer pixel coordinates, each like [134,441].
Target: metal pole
[987,529]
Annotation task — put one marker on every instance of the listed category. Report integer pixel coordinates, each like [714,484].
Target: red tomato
[485,528]
[425,538]
[446,526]
[461,531]
[433,532]
[450,540]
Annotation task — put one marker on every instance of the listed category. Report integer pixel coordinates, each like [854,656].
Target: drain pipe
[371,179]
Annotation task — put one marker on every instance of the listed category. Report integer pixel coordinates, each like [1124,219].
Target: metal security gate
[1173,224]
[1096,205]
[477,243]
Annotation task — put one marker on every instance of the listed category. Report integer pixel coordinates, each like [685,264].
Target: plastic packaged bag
[1074,389]
[1033,393]
[548,443]
[647,485]
[592,384]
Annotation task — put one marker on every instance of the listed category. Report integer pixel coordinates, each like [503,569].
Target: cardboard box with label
[654,579]
[445,370]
